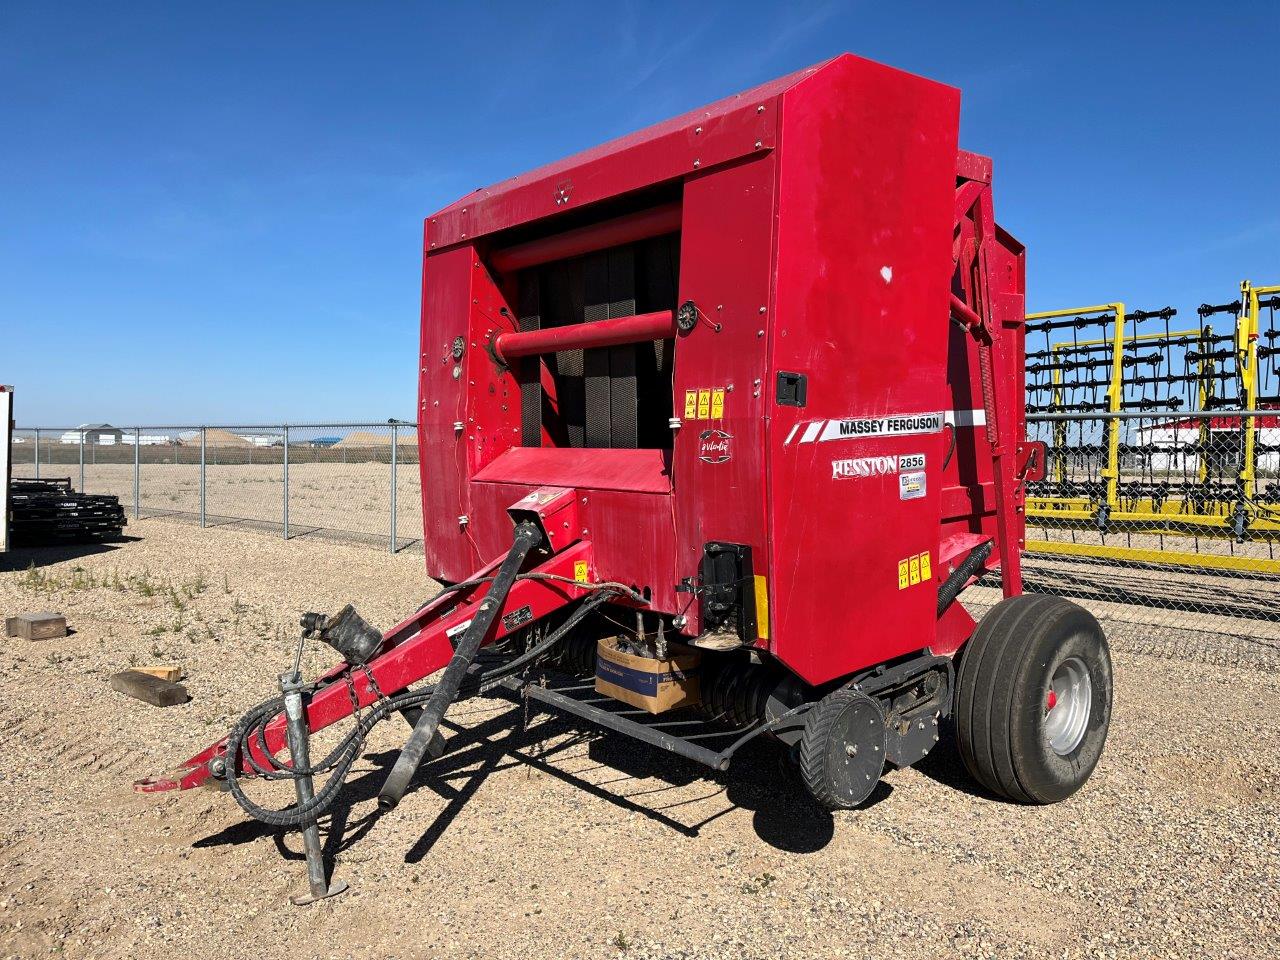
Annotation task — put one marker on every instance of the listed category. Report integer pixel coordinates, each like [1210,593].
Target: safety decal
[913,570]
[517,618]
[457,628]
[581,573]
[899,425]
[704,403]
[714,446]
[857,468]
[911,485]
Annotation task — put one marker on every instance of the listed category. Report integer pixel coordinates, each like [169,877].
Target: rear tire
[1033,699]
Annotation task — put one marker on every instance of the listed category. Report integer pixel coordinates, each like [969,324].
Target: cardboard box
[648,683]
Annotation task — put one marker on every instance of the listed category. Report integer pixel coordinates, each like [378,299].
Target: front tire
[1033,699]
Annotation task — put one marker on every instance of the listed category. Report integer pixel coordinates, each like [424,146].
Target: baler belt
[530,371]
[609,282]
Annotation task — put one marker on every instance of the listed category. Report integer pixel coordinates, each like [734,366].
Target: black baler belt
[530,368]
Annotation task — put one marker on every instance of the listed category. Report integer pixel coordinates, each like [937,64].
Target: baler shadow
[943,765]
[783,814]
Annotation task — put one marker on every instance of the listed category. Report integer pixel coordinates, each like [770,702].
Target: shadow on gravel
[760,781]
[25,557]
[943,765]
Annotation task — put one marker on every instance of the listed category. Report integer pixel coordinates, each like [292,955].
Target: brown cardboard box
[648,683]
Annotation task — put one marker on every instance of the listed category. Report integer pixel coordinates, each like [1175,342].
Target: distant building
[151,440]
[1175,444]
[102,434]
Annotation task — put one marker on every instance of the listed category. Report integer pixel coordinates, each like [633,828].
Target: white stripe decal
[791,434]
[967,418]
[811,431]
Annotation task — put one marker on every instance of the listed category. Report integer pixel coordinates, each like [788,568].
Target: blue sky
[213,212]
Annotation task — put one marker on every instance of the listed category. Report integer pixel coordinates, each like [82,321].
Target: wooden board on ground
[36,626]
[172,674]
[149,689]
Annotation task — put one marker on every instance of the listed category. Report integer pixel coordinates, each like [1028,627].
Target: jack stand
[291,686]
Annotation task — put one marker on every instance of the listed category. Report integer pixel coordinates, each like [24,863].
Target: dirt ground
[556,843]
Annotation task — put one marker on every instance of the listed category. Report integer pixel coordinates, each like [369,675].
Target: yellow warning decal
[690,404]
[717,403]
[704,404]
[580,572]
[762,606]
[914,569]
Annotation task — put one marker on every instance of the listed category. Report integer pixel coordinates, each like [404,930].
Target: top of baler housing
[726,129]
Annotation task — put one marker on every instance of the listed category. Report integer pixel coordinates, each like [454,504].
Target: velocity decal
[714,446]
[898,425]
[857,468]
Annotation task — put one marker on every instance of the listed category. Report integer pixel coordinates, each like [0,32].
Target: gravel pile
[545,841]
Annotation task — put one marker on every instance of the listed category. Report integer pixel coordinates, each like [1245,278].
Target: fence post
[203,463]
[395,454]
[137,445]
[82,433]
[37,453]
[285,432]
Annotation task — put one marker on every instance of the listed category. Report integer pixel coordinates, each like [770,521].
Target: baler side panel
[865,215]
[442,402]
[721,393]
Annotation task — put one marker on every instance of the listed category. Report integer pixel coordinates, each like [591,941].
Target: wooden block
[36,626]
[172,674]
[149,689]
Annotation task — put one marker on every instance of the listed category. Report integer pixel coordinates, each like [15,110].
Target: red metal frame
[828,227]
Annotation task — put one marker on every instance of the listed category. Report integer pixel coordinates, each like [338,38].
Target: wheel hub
[1068,703]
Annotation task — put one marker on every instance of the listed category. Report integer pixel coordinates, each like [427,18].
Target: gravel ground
[555,843]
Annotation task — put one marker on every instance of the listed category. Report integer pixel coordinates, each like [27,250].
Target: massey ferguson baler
[717,421]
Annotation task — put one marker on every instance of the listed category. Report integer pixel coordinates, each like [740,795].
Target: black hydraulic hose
[253,726]
[961,575]
[526,537]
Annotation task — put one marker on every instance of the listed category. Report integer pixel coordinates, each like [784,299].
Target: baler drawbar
[717,423]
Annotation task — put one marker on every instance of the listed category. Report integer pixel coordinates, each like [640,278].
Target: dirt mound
[367,438]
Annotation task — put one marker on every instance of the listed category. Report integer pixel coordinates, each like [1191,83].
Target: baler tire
[1002,702]
[822,751]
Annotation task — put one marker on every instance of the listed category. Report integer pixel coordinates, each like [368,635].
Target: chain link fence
[347,480]
[1166,526]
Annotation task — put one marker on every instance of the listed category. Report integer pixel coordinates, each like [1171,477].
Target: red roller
[585,336]
[598,236]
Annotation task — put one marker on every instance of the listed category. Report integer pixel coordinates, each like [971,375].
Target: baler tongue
[378,671]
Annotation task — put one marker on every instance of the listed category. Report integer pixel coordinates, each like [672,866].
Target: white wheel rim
[1068,702]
